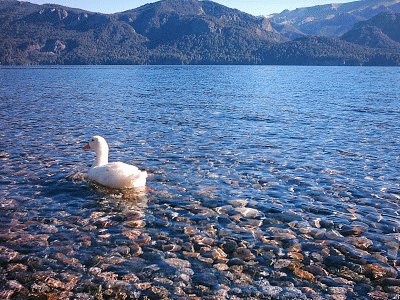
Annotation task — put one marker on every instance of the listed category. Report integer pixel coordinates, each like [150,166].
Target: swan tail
[139,180]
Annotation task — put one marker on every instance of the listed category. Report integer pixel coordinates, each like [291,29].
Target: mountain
[176,32]
[381,31]
[51,34]
[318,50]
[201,31]
[329,19]
[169,20]
[168,31]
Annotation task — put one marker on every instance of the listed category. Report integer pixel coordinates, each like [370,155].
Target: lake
[264,182]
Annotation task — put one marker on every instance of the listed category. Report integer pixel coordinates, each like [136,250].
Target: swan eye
[92,140]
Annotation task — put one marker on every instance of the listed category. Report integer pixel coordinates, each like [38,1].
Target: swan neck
[101,157]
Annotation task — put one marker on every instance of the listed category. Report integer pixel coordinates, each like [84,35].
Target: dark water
[265,182]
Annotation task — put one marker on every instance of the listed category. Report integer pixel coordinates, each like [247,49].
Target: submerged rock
[354,229]
[178,263]
[218,254]
[205,278]
[7,255]
[282,263]
[377,271]
[229,246]
[280,233]
[221,267]
[244,254]
[248,212]
[158,292]
[238,202]
[303,274]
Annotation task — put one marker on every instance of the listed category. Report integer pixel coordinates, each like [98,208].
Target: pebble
[95,270]
[131,234]
[16,267]
[296,256]
[337,290]
[143,285]
[178,263]
[378,295]
[71,261]
[158,292]
[135,224]
[238,202]
[316,270]
[303,274]
[218,254]
[353,230]
[333,234]
[130,278]
[236,262]
[107,276]
[292,245]
[143,239]
[362,288]
[282,263]
[229,246]
[203,241]
[14,285]
[190,230]
[253,223]
[205,278]
[244,254]
[361,242]
[248,212]
[184,277]
[221,267]
[335,261]
[377,271]
[281,234]
[205,259]
[390,282]
[191,254]
[171,248]
[205,249]
[7,255]
[325,223]
[123,250]
[291,293]
[395,290]
[54,283]
[70,280]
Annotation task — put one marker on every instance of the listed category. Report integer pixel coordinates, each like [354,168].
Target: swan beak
[87,147]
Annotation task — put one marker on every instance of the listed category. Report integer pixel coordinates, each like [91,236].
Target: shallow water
[265,182]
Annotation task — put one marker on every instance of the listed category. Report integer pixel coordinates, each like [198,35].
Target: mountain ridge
[381,31]
[330,19]
[165,32]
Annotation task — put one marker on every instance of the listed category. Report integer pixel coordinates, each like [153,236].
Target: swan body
[117,175]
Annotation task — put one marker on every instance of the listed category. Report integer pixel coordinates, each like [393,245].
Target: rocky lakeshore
[147,248]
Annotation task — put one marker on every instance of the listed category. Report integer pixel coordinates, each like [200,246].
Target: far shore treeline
[199,32]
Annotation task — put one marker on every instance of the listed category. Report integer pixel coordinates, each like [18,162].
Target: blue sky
[255,7]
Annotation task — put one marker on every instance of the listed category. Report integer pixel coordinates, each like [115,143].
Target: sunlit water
[264,182]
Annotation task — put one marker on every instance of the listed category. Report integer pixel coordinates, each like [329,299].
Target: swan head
[96,143]
[100,147]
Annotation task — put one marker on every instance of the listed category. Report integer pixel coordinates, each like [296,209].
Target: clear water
[312,152]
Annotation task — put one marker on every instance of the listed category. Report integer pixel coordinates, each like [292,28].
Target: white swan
[117,175]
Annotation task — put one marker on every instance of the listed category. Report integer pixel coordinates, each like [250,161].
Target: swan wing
[118,175]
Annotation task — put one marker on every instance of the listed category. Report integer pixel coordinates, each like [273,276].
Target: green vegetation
[169,32]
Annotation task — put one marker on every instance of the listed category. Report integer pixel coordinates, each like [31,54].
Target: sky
[254,7]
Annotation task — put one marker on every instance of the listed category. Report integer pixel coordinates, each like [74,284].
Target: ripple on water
[253,193]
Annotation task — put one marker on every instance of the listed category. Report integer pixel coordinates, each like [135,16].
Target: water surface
[265,182]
